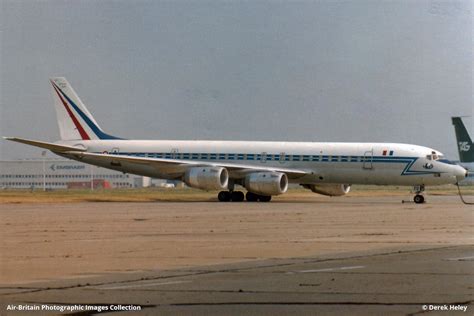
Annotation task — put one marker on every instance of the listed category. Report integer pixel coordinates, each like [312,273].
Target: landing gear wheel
[265,198]
[418,199]
[251,197]
[224,196]
[237,196]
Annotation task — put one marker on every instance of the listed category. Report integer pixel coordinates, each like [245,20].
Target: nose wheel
[419,199]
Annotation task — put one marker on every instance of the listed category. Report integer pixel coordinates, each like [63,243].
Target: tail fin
[465,148]
[75,121]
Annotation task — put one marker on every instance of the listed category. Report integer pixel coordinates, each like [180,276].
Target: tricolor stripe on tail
[75,121]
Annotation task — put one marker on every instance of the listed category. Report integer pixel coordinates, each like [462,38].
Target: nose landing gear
[419,199]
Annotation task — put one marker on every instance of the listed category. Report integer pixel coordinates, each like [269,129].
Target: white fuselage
[344,163]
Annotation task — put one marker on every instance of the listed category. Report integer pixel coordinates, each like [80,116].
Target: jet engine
[207,178]
[329,189]
[267,183]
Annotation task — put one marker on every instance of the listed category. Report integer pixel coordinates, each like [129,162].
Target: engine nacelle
[267,183]
[329,189]
[207,178]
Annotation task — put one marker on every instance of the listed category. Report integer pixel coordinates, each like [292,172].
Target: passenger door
[367,160]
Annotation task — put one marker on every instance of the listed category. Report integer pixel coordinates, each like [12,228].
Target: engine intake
[267,183]
[329,189]
[207,178]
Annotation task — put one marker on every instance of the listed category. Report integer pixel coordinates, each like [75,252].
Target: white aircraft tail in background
[264,169]
[465,146]
[465,149]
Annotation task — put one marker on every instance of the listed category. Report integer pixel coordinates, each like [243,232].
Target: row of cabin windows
[258,157]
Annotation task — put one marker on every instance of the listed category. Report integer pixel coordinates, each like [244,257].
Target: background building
[61,174]
[69,174]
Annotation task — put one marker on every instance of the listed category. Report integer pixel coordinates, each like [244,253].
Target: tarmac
[325,256]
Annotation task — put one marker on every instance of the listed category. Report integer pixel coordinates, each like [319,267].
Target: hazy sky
[375,71]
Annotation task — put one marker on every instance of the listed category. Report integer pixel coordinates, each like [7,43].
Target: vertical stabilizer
[465,148]
[74,120]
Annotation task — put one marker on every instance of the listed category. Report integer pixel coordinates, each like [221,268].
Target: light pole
[43,153]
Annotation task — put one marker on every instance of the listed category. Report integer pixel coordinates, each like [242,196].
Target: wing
[176,166]
[167,166]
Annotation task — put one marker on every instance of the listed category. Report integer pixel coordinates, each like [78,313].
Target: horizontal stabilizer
[45,145]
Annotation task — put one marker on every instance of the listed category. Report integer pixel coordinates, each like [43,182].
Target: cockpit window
[434,156]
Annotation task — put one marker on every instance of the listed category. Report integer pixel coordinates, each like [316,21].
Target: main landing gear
[252,197]
[238,196]
[234,196]
[419,199]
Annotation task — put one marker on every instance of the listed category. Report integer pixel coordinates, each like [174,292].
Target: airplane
[264,169]
[465,148]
